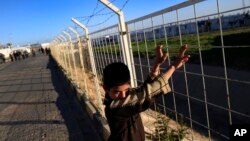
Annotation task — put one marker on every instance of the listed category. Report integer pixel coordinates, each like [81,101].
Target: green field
[236,51]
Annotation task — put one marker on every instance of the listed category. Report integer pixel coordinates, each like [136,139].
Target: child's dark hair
[115,74]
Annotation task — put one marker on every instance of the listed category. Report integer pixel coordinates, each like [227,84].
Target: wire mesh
[211,91]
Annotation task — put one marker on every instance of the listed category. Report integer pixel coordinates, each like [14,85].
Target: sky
[36,21]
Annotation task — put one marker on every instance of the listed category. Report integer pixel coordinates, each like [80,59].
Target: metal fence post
[92,61]
[66,56]
[72,52]
[73,57]
[81,58]
[125,43]
[60,45]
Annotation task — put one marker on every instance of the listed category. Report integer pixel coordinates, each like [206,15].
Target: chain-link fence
[208,94]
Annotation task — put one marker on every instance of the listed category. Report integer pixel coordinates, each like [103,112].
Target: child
[124,104]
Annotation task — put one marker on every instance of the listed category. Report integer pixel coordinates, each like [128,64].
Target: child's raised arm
[178,63]
[159,60]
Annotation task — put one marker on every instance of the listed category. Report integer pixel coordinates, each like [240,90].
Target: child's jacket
[123,115]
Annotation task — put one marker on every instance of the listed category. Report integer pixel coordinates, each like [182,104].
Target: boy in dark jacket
[123,104]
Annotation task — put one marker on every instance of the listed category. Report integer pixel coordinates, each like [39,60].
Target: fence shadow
[71,110]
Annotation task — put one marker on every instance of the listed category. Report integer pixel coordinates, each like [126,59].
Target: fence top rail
[166,10]
[157,13]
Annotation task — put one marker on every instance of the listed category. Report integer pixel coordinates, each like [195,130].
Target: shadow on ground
[70,107]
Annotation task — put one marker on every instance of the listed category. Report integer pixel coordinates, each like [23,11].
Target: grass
[236,51]
[164,132]
[210,47]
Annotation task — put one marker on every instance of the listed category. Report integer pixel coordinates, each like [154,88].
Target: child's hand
[182,57]
[160,56]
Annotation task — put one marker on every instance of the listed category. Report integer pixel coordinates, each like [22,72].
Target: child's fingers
[159,50]
[182,50]
[158,47]
[185,58]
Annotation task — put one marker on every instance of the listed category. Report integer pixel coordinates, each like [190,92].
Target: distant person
[15,55]
[3,58]
[26,54]
[42,50]
[19,55]
[33,52]
[47,50]
[124,104]
[11,57]
[22,54]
